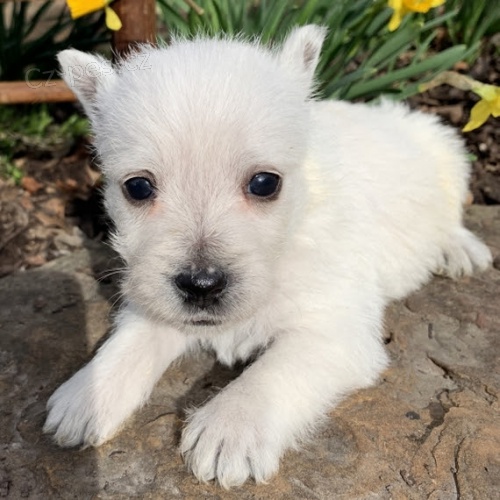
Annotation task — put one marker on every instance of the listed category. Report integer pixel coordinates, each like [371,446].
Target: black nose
[201,287]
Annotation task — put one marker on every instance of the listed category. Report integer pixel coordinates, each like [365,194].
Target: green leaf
[273,19]
[437,62]
[33,23]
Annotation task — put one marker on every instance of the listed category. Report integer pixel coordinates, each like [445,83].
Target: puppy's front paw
[229,441]
[79,412]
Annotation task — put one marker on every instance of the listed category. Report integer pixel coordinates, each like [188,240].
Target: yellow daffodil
[488,105]
[79,8]
[403,7]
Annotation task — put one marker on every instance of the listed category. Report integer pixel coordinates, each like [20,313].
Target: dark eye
[139,188]
[264,184]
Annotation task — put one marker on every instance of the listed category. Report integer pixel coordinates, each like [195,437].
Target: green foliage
[34,130]
[8,170]
[29,38]
[360,59]
[474,20]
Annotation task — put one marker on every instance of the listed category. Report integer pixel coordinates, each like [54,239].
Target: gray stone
[429,429]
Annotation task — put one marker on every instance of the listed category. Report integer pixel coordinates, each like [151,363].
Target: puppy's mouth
[204,322]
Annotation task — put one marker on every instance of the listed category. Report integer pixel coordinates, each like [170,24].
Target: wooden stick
[35,91]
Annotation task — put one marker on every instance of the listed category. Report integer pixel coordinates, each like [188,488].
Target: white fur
[370,207]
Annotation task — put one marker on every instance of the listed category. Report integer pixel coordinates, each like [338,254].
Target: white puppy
[252,217]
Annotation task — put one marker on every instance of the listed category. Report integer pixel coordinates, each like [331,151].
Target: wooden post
[139,24]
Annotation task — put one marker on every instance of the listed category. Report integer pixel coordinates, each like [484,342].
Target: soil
[57,204]
[53,209]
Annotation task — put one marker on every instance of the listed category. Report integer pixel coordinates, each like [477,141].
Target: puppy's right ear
[86,75]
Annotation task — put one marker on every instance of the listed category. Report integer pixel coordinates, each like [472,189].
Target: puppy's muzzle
[201,288]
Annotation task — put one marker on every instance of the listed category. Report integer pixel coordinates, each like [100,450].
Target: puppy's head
[201,145]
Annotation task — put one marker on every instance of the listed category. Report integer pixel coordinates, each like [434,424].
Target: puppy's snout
[201,287]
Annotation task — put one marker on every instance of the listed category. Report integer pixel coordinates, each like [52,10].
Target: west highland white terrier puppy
[253,218]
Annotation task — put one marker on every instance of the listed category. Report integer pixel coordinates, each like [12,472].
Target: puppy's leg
[244,430]
[90,407]
[464,255]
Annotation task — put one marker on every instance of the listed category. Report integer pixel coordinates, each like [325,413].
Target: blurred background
[49,181]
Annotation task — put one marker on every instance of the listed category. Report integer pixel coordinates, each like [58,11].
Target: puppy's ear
[300,51]
[85,75]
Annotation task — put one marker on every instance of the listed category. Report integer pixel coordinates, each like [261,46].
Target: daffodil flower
[403,7]
[488,105]
[79,8]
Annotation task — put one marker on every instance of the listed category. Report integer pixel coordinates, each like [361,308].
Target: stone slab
[429,429]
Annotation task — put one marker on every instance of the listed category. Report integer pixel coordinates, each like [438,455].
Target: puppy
[252,217]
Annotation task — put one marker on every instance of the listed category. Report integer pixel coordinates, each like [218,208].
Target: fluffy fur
[370,206]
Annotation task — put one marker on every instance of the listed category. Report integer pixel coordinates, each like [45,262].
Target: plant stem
[452,78]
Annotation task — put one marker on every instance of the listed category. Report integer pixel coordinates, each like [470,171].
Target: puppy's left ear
[301,50]
[87,75]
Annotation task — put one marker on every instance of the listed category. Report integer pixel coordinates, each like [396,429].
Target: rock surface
[429,429]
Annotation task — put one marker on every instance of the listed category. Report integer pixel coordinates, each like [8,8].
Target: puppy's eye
[139,188]
[264,184]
